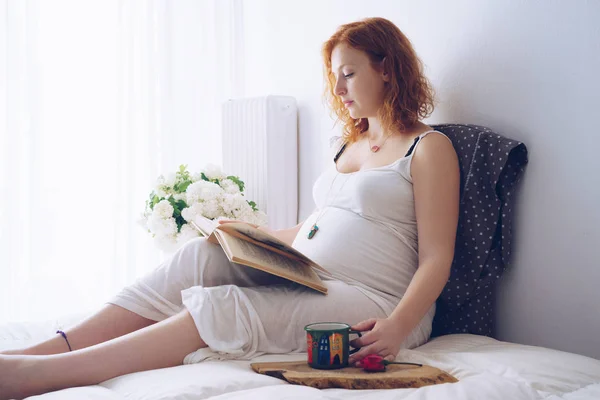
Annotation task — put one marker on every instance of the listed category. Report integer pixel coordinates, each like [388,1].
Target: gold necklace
[375,149]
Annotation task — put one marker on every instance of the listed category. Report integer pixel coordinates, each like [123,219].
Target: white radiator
[260,145]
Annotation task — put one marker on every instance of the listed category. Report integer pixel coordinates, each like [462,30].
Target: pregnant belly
[354,248]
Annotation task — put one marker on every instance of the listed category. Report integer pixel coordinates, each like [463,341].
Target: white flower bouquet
[178,198]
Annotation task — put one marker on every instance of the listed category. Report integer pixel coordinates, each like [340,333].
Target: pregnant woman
[384,228]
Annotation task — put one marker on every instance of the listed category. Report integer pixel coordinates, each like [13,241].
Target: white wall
[199,75]
[528,69]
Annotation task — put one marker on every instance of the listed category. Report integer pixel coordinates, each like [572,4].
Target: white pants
[241,312]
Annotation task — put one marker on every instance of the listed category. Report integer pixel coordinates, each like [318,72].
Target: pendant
[375,149]
[312,232]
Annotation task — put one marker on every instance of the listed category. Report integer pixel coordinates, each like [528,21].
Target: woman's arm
[288,235]
[436,185]
[285,235]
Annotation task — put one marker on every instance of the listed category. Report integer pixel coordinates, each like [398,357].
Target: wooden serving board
[395,376]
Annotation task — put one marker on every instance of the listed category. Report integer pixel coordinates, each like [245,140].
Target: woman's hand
[384,338]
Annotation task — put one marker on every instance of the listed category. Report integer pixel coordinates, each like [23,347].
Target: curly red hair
[408,97]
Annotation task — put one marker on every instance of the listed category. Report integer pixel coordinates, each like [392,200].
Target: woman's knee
[203,261]
[194,243]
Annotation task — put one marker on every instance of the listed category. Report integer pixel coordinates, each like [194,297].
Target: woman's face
[358,84]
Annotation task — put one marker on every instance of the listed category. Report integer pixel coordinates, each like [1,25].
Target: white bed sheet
[486,369]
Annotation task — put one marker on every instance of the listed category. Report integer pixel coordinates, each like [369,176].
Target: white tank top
[367,233]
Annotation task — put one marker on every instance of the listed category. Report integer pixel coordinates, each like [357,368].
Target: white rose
[189,213]
[243,203]
[245,214]
[228,203]
[243,210]
[163,209]
[161,226]
[232,204]
[229,186]
[203,191]
[212,209]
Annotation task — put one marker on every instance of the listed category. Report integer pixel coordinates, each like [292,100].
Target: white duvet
[486,369]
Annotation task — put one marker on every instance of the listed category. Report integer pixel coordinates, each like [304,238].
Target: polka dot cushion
[491,166]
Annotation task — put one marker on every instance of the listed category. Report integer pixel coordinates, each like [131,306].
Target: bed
[486,369]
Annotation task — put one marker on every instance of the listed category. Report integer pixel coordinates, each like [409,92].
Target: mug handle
[359,335]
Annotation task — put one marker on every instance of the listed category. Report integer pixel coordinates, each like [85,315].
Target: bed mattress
[486,369]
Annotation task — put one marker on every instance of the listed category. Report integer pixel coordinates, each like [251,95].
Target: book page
[242,252]
[204,225]
[262,238]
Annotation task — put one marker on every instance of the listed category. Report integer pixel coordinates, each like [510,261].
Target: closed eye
[349,75]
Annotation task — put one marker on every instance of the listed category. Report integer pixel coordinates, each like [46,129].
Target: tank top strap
[337,145]
[415,144]
[404,167]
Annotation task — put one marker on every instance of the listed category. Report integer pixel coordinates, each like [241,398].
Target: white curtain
[97,98]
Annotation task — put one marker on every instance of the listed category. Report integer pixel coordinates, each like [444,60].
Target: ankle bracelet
[66,340]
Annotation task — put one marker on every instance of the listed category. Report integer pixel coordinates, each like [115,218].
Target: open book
[243,244]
